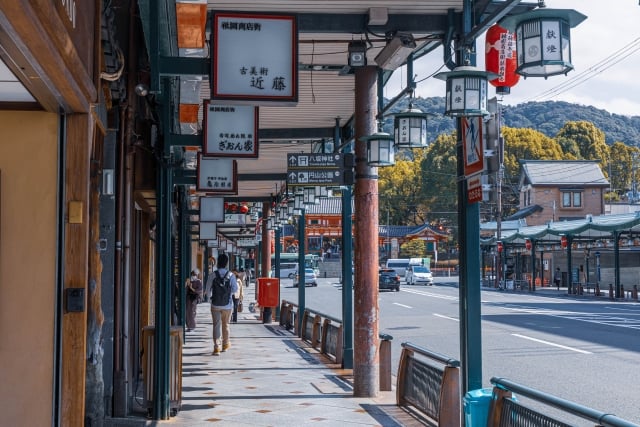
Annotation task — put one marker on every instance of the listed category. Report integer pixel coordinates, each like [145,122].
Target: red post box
[268,292]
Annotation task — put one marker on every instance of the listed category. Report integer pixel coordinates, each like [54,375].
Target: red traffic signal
[499,246]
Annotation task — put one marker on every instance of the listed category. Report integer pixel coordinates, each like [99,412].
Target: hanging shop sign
[230,130]
[211,209]
[208,230]
[217,175]
[255,58]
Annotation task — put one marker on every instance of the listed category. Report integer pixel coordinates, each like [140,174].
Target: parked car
[418,275]
[309,278]
[388,279]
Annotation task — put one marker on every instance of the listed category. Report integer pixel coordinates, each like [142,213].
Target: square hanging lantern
[309,196]
[410,128]
[380,149]
[298,201]
[321,191]
[466,91]
[543,40]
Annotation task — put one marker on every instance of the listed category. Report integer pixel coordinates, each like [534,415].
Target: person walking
[194,296]
[223,286]
[237,297]
[557,277]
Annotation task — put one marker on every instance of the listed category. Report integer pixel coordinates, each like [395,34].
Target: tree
[589,139]
[621,166]
[413,249]
[439,171]
[399,190]
[521,144]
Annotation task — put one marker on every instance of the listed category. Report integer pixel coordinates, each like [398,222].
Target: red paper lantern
[244,209]
[233,207]
[527,244]
[226,206]
[499,246]
[563,241]
[500,58]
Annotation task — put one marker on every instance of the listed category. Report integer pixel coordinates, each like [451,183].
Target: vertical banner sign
[231,130]
[472,147]
[255,58]
[474,189]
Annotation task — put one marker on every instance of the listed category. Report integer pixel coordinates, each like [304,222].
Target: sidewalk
[269,377]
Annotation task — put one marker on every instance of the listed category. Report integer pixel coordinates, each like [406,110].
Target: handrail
[602,418]
[432,354]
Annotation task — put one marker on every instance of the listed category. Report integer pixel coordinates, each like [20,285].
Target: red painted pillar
[266,241]
[366,357]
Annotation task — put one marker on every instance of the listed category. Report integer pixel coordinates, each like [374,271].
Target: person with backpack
[194,296]
[223,286]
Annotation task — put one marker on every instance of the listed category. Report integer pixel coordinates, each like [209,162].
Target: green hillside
[546,117]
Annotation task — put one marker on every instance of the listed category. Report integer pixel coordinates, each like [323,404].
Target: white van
[288,270]
[400,265]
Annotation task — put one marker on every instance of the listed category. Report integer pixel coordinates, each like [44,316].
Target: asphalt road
[584,350]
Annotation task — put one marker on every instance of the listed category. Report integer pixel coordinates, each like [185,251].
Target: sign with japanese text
[211,209]
[255,58]
[217,175]
[230,130]
[472,147]
[474,189]
[318,160]
[212,243]
[246,243]
[322,177]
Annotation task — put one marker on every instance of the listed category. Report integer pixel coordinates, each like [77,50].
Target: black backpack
[220,289]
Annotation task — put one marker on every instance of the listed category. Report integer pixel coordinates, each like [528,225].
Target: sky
[605,55]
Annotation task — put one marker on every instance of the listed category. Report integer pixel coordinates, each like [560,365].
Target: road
[584,350]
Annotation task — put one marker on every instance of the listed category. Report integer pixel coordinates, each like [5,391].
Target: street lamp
[466,91]
[410,128]
[380,149]
[543,40]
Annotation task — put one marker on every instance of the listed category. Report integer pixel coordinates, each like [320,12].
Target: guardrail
[325,333]
[505,411]
[429,389]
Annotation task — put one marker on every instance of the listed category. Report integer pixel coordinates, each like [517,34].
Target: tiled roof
[560,172]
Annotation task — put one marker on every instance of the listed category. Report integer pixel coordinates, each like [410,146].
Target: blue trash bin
[476,407]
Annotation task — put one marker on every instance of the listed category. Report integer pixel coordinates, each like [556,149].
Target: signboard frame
[472,145]
[211,209]
[238,126]
[211,169]
[238,52]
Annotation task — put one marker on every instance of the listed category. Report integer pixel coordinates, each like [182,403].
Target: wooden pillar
[78,142]
[366,364]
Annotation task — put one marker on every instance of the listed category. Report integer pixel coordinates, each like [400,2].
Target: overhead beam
[356,23]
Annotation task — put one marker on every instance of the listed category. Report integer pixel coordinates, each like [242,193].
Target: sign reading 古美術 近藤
[230,130]
[255,58]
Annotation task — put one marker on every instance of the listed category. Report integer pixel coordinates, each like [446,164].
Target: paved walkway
[269,377]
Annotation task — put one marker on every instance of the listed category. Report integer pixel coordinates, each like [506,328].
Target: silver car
[309,278]
[418,274]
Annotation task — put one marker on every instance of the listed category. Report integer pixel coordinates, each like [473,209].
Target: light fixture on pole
[396,51]
[380,149]
[466,91]
[543,40]
[410,128]
[309,196]
[357,54]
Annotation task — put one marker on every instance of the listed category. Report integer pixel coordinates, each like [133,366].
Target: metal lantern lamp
[380,149]
[410,128]
[466,91]
[543,40]
[309,196]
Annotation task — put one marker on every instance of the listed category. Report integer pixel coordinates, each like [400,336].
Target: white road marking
[402,305]
[446,317]
[552,344]
[429,294]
